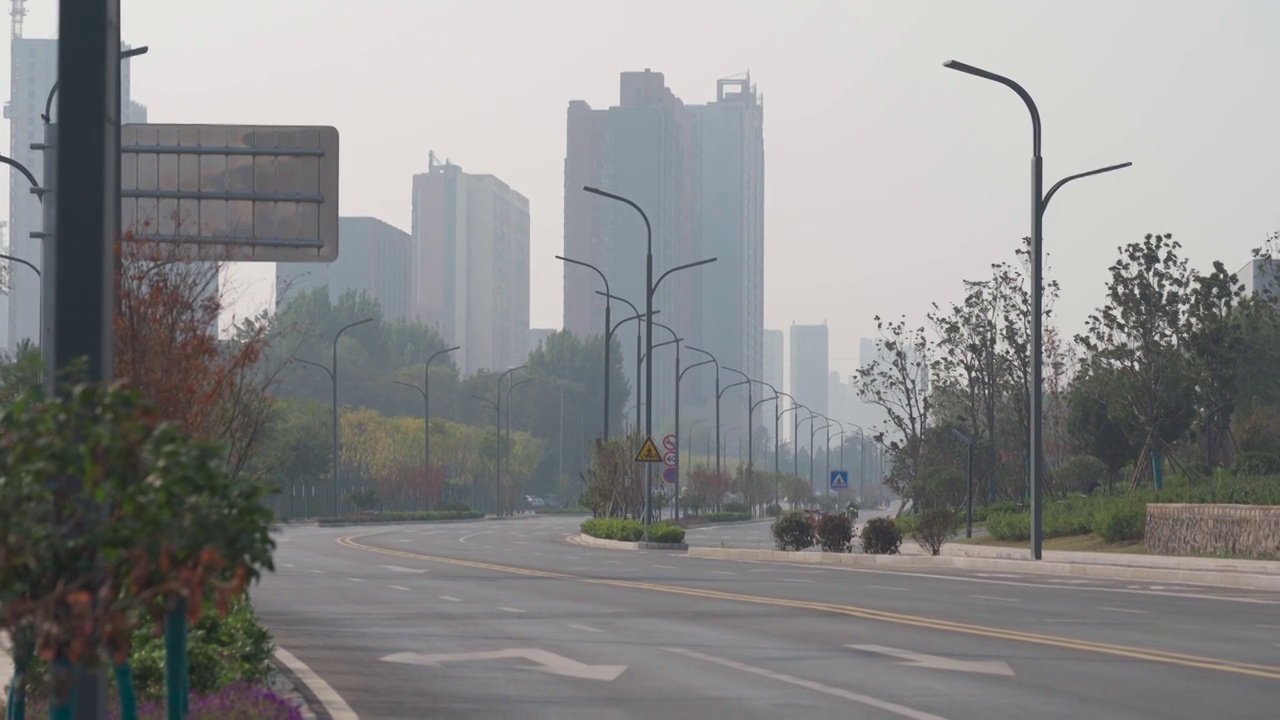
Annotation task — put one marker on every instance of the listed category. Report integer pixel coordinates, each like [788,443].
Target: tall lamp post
[608,335]
[712,358]
[677,341]
[497,454]
[507,458]
[968,492]
[333,380]
[426,404]
[719,395]
[651,287]
[754,405]
[497,495]
[751,396]
[639,316]
[1039,202]
[680,377]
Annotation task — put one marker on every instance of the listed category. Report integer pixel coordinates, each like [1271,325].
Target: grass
[1074,543]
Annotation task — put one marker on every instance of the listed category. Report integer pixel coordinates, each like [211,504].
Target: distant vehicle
[534,501]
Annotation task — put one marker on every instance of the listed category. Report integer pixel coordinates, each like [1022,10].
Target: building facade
[772,358]
[471,265]
[810,370]
[1261,276]
[373,256]
[33,67]
[697,171]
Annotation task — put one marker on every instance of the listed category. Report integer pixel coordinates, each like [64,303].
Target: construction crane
[17,11]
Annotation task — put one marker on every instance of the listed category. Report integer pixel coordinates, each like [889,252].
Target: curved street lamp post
[1039,202]
[425,390]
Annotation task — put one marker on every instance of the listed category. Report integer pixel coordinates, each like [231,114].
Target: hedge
[632,530]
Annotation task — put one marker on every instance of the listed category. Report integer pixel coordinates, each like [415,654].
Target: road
[398,620]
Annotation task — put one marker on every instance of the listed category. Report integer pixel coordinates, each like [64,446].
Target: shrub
[881,536]
[725,517]
[1256,463]
[1120,520]
[774,510]
[792,532]
[666,533]
[240,701]
[906,523]
[935,527]
[221,651]
[1004,507]
[736,507]
[1009,525]
[1081,474]
[835,533]
[451,507]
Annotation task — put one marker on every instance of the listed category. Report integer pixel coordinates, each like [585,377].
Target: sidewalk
[1133,560]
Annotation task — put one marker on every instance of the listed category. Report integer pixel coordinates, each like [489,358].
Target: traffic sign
[669,458]
[648,452]
[839,479]
[669,442]
[669,475]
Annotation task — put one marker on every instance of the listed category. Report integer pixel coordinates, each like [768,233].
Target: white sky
[889,179]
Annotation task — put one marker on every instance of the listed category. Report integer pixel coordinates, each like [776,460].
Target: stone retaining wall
[1249,531]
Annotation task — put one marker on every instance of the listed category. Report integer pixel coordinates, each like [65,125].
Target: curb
[1218,578]
[589,541]
[358,523]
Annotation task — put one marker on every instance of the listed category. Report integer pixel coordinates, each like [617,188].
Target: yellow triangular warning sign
[648,452]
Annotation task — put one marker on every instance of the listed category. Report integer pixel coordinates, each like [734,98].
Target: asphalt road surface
[507,619]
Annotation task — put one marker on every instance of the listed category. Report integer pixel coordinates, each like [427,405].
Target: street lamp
[813,431]
[777,415]
[1039,203]
[651,287]
[497,496]
[795,433]
[680,377]
[639,339]
[719,395]
[426,404]
[712,358]
[968,492]
[497,454]
[608,335]
[507,456]
[333,380]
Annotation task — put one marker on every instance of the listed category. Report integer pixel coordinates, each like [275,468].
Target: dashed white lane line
[994,597]
[288,565]
[887,587]
[318,572]
[722,572]
[511,610]
[1123,610]
[522,542]
[405,539]
[399,587]
[337,707]
[356,579]
[892,707]
[586,628]
[402,569]
[666,567]
[450,598]
[794,580]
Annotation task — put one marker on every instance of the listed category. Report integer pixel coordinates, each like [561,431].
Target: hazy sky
[889,178]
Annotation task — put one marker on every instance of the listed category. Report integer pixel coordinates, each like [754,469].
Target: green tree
[20,372]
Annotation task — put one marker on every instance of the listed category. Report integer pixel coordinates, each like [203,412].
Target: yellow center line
[1135,653]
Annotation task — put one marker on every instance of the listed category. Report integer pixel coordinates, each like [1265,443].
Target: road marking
[722,572]
[318,572]
[586,628]
[450,598]
[511,609]
[402,569]
[1271,672]
[614,562]
[465,538]
[406,539]
[547,662]
[399,587]
[994,597]
[288,565]
[1123,610]
[1070,582]
[887,587]
[1015,583]
[900,710]
[938,662]
[1270,627]
[521,542]
[356,579]
[997,575]
[333,703]
[795,580]
[666,567]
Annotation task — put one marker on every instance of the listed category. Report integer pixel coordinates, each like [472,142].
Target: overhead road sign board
[265,193]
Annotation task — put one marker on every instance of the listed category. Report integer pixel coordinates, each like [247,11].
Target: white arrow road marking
[937,662]
[397,568]
[547,662]
[900,710]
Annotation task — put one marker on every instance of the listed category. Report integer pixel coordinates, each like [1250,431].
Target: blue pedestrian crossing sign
[839,479]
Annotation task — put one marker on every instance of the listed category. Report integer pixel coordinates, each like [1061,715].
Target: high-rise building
[809,369]
[33,65]
[697,171]
[1261,276]
[471,264]
[774,340]
[373,256]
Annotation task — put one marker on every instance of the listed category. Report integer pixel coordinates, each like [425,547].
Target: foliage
[935,527]
[835,533]
[1112,519]
[774,510]
[628,530]
[239,701]
[792,531]
[1120,521]
[897,382]
[881,536]
[736,508]
[710,487]
[720,517]
[221,651]
[1080,474]
[614,482]
[167,520]
[20,372]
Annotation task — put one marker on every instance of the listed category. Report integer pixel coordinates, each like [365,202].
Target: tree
[20,372]
[898,382]
[1093,427]
[1136,335]
[1214,330]
[166,346]
[614,487]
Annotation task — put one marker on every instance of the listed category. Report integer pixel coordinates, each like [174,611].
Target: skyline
[879,158]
